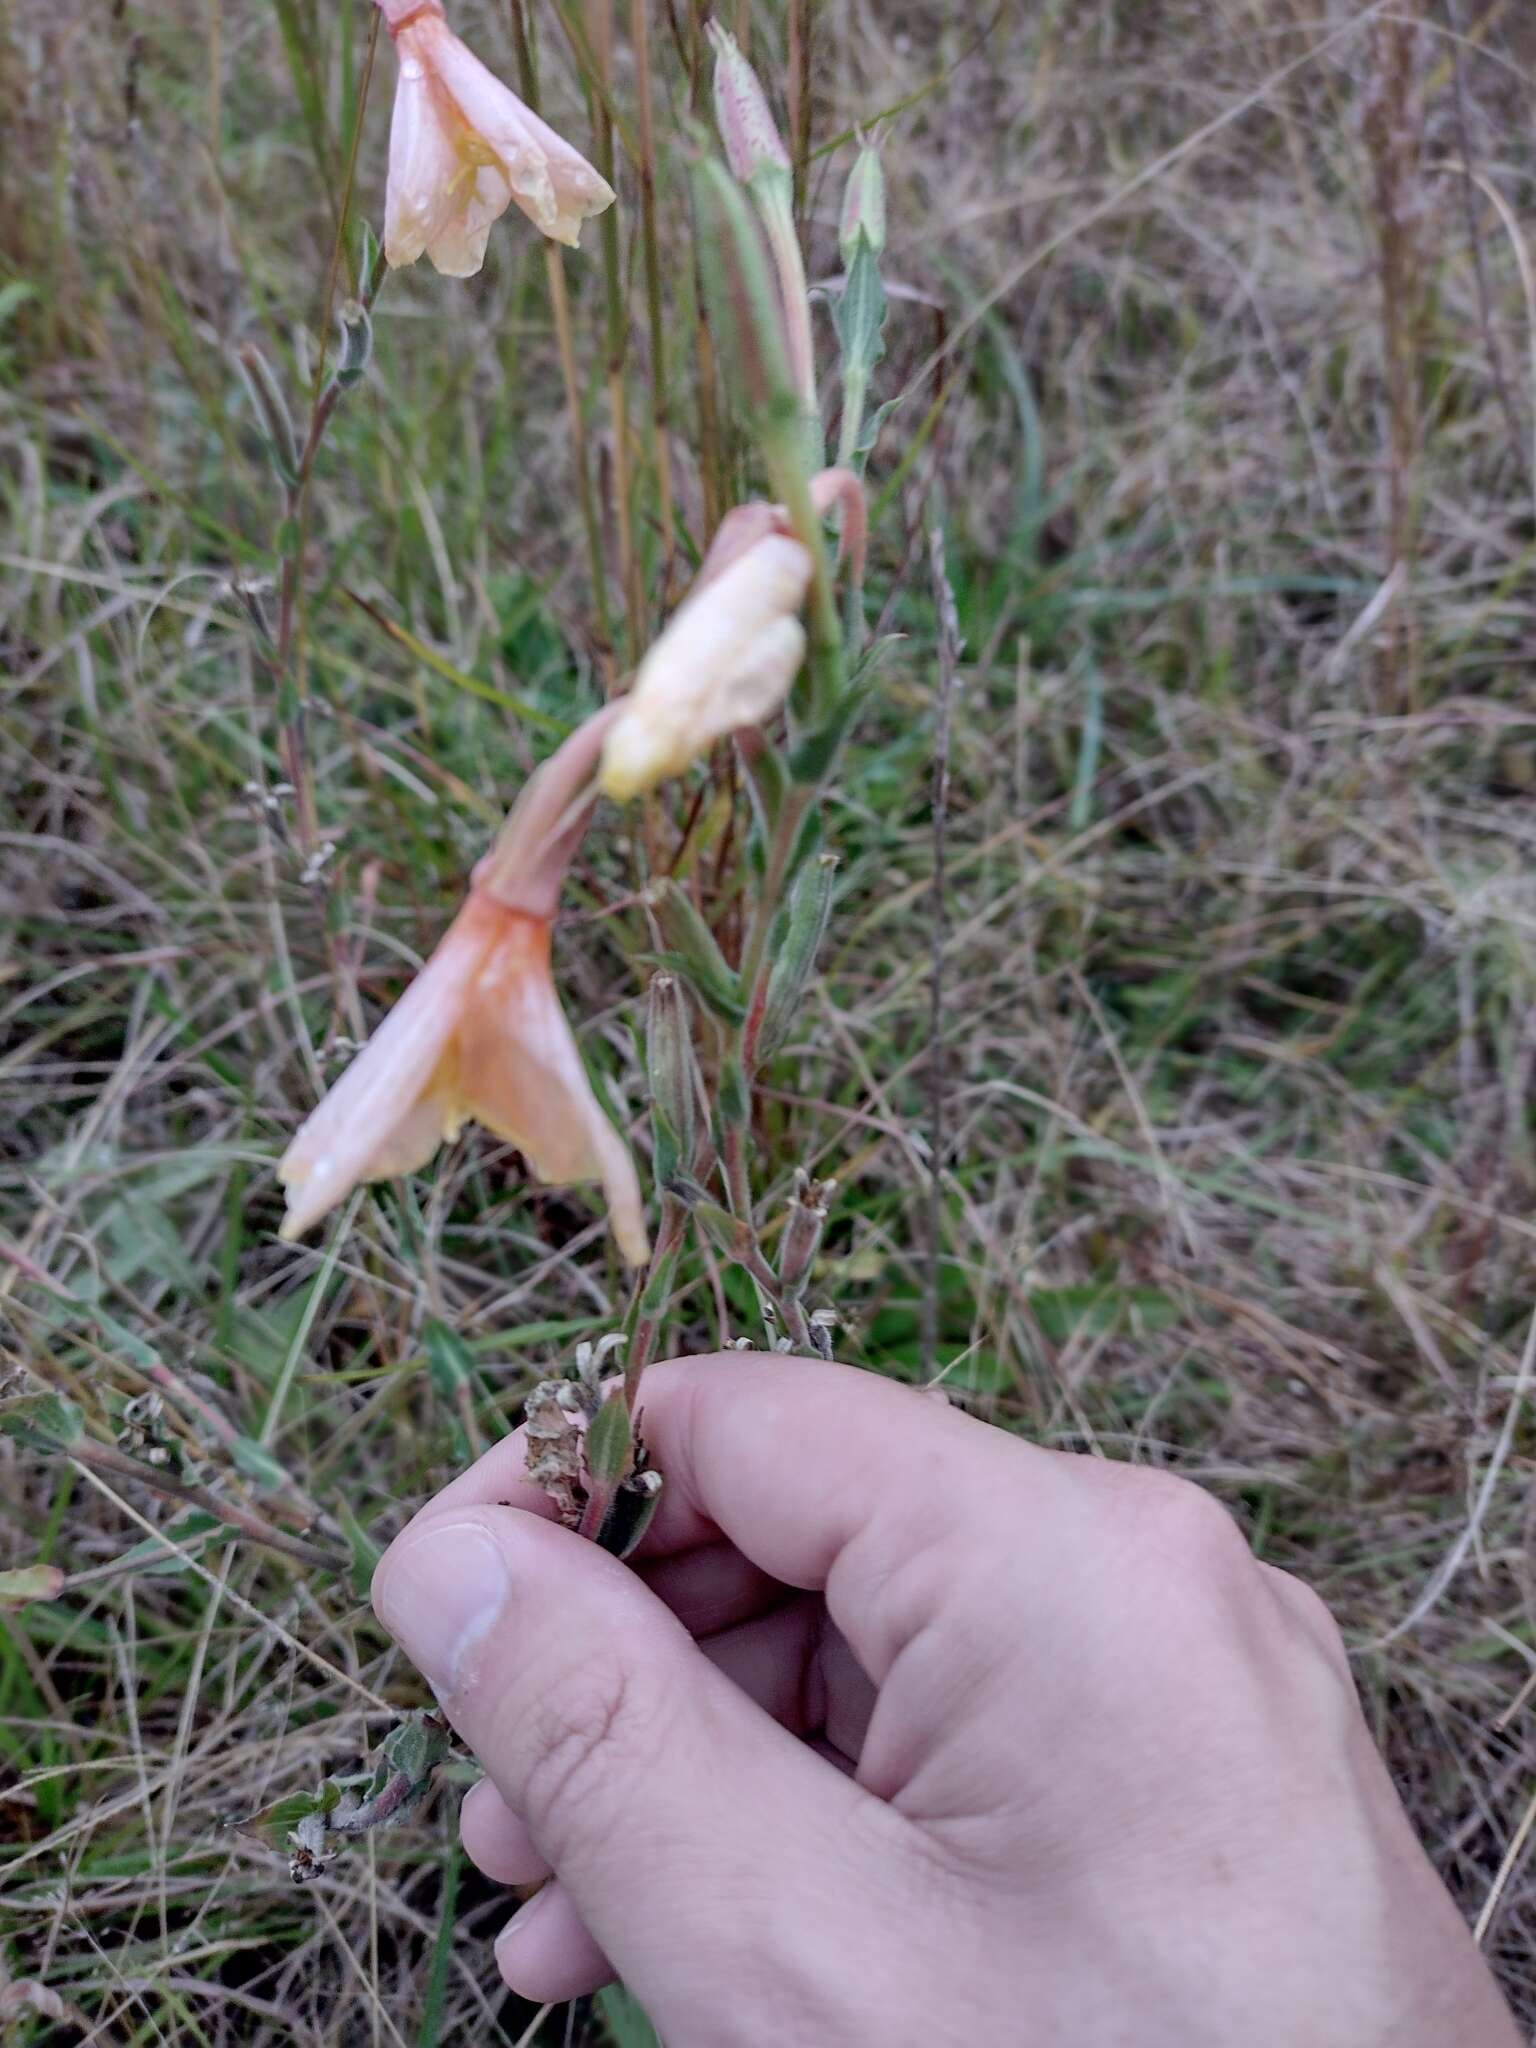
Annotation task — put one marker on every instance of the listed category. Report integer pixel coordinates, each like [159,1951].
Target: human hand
[902,1730]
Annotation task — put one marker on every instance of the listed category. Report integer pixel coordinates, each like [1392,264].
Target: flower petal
[423,158]
[552,182]
[372,1110]
[520,1074]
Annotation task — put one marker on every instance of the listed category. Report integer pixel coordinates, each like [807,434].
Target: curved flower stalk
[732,648]
[462,148]
[480,1034]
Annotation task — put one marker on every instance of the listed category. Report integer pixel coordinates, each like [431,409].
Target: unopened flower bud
[673,1074]
[726,659]
[356,350]
[863,206]
[810,906]
[747,131]
[759,160]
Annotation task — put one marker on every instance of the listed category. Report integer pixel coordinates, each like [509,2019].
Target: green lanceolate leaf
[44,1422]
[610,1441]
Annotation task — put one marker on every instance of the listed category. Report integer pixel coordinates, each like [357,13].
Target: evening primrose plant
[748,683]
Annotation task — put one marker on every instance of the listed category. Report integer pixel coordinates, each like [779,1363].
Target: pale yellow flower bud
[725,660]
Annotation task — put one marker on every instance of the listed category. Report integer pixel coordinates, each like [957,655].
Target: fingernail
[522,1920]
[440,1592]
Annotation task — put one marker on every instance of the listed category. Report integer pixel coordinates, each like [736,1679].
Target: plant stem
[292,675]
[948,664]
[103,1458]
[600,36]
[642,1344]
[797,801]
[660,418]
[560,306]
[560,309]
[827,656]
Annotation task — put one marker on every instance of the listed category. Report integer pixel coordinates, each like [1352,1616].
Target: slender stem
[797,802]
[828,661]
[948,664]
[738,1184]
[103,1458]
[642,1345]
[799,95]
[711,455]
[292,674]
[600,38]
[560,306]
[560,309]
[660,416]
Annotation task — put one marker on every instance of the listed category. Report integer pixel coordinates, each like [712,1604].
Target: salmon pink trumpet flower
[733,647]
[480,1034]
[463,148]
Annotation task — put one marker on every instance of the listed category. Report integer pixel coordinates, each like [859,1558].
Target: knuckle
[1312,1615]
[1175,1526]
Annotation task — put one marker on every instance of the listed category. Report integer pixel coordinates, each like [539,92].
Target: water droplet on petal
[410,67]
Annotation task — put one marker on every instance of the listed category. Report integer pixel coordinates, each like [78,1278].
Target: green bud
[610,1444]
[266,396]
[356,344]
[365,1553]
[810,907]
[863,206]
[673,1075]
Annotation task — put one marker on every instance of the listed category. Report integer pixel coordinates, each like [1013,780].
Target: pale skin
[904,1731]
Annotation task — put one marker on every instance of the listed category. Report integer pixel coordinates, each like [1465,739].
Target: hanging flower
[462,148]
[480,1034]
[732,648]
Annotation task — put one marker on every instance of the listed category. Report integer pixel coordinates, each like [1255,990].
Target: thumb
[697,1841]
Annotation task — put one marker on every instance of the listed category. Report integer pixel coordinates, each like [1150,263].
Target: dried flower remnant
[480,1034]
[401,1780]
[463,147]
[554,1418]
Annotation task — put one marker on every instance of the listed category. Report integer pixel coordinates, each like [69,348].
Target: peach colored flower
[733,646]
[462,148]
[480,1034]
